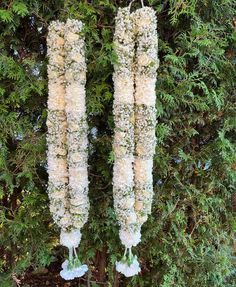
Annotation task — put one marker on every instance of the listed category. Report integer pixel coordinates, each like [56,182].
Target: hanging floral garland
[57,127]
[135,120]
[134,138]
[123,146]
[145,112]
[73,78]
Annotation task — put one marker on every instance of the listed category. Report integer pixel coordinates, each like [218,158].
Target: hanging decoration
[135,120]
[123,110]
[146,64]
[67,138]
[134,137]
[57,127]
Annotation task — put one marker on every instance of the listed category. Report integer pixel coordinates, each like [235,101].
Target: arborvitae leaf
[6,16]
[20,8]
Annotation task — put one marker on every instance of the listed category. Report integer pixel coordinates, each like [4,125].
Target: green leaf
[6,16]
[20,8]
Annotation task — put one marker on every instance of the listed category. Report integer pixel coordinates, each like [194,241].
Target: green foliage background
[189,239]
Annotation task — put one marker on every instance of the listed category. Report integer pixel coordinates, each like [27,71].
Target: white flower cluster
[71,270]
[75,76]
[57,127]
[123,110]
[67,133]
[146,65]
[129,267]
[135,120]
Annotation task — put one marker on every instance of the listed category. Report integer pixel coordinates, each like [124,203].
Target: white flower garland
[123,110]
[135,121]
[75,76]
[134,138]
[145,112]
[57,127]
[73,125]
[123,146]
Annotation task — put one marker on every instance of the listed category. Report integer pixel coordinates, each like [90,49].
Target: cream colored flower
[144,60]
[72,37]
[59,41]
[145,98]
[77,126]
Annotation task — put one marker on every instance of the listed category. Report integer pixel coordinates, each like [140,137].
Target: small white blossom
[81,270]
[67,274]
[128,269]
[130,238]
[74,272]
[70,239]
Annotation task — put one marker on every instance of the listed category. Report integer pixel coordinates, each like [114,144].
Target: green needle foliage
[188,240]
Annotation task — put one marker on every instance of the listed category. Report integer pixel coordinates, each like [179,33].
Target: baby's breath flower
[67,137]
[146,64]
[123,109]
[75,77]
[57,126]
[135,121]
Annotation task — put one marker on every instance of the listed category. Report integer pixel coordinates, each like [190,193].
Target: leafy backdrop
[189,239]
